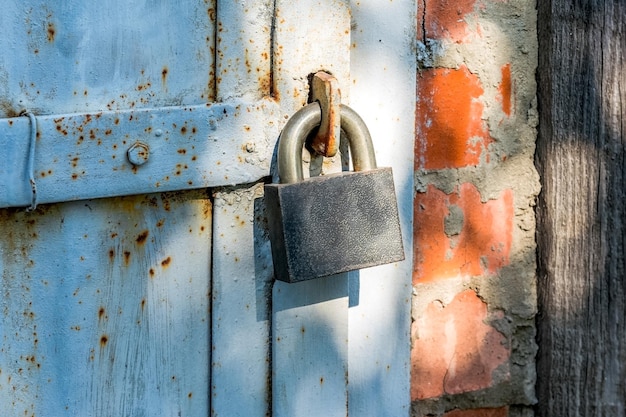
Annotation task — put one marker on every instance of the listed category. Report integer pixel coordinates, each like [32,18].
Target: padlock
[332,223]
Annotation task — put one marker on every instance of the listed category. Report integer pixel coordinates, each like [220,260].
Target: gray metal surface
[332,224]
[303,122]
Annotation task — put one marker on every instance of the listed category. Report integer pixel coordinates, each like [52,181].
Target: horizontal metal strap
[82,156]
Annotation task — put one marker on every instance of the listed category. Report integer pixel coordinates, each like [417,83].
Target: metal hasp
[334,223]
[325,91]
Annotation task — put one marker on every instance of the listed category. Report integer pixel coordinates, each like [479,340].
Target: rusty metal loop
[302,123]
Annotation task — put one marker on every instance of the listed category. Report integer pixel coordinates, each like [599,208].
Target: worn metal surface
[325,91]
[190,147]
[302,123]
[334,223]
[105,307]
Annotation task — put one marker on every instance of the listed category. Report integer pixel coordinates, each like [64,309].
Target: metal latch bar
[85,155]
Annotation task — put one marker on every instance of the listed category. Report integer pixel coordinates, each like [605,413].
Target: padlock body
[334,223]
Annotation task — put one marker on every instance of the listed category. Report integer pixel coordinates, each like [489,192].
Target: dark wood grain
[581,215]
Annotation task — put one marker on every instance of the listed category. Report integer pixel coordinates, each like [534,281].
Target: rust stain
[164,73]
[152,272]
[212,14]
[111,254]
[104,340]
[143,304]
[126,258]
[141,239]
[101,313]
[166,262]
[51,32]
[8,109]
[190,395]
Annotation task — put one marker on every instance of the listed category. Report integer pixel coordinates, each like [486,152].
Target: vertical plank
[77,56]
[309,319]
[243,65]
[383,72]
[105,307]
[582,253]
[242,268]
[309,36]
[310,348]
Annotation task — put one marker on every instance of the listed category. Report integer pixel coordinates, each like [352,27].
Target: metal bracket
[105,154]
[325,90]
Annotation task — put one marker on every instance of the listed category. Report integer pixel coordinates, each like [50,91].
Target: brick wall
[474,300]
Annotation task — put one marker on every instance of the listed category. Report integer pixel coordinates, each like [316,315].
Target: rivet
[250,147]
[138,153]
[158,132]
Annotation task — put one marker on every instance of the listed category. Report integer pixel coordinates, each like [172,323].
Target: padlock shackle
[302,123]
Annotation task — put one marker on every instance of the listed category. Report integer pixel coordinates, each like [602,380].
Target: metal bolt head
[138,153]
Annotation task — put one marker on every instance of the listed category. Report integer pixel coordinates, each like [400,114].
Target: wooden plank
[242,266]
[77,56]
[244,57]
[383,72]
[310,348]
[309,320]
[582,252]
[105,307]
[242,282]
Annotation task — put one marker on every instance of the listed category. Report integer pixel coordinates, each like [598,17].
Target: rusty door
[136,273]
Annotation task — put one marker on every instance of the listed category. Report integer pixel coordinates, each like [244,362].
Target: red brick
[504,89]
[479,412]
[450,129]
[454,351]
[482,245]
[445,19]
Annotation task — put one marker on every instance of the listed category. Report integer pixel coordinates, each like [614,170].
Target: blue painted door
[137,279]
[105,302]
